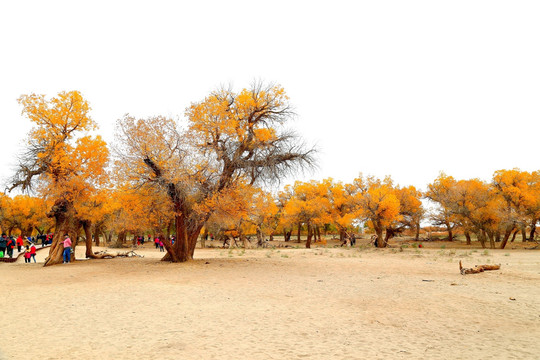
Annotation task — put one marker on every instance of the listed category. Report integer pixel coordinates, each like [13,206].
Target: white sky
[400,88]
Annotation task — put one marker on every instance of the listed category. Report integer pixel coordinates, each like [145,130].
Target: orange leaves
[264,135]
[379,204]
[25,213]
[517,188]
[69,164]
[309,203]
[61,116]
[248,116]
[370,200]
[510,201]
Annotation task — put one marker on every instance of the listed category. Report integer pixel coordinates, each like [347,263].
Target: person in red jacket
[19,243]
[33,252]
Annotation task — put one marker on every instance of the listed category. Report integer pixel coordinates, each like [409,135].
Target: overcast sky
[400,88]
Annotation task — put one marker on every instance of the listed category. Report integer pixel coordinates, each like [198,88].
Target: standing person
[33,252]
[67,249]
[161,249]
[156,242]
[10,246]
[27,254]
[3,244]
[19,243]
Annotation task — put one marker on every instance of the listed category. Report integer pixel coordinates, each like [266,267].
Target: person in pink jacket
[67,249]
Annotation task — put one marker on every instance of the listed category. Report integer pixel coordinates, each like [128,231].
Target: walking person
[33,252]
[67,249]
[161,249]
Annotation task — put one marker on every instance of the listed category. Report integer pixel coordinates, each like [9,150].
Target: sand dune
[275,304]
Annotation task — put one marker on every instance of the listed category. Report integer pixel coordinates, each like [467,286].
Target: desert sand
[322,303]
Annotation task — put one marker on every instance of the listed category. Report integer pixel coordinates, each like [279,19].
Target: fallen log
[477,268]
[106,255]
[489,267]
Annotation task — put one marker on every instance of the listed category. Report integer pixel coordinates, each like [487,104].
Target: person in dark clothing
[10,246]
[3,243]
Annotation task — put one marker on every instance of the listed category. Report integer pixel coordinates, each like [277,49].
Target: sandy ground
[334,303]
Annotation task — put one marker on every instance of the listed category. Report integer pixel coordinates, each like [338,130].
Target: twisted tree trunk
[63,212]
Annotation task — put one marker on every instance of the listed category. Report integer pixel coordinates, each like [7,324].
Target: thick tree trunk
[533,230]
[63,213]
[468,237]
[482,238]
[309,236]
[417,233]
[449,229]
[380,239]
[299,230]
[514,235]
[507,234]
[96,235]
[186,240]
[389,234]
[523,234]
[260,237]
[491,240]
[87,227]
[120,239]
[287,235]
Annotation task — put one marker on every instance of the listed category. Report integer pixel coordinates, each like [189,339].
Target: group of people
[158,242]
[8,244]
[27,245]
